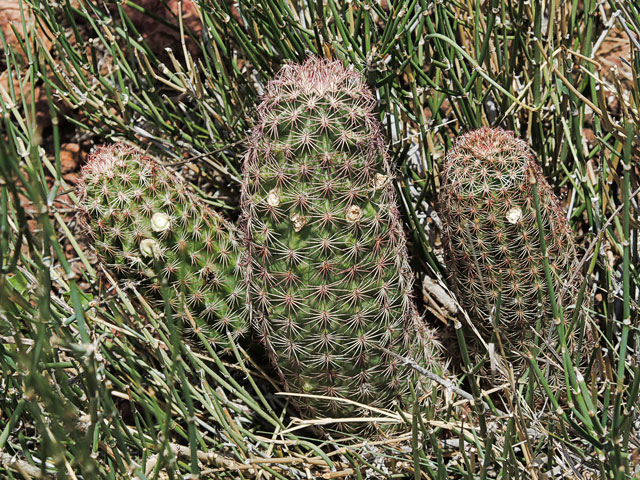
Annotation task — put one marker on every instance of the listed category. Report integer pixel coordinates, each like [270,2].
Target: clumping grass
[95,383]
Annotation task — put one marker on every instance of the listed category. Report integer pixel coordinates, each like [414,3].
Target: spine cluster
[149,228]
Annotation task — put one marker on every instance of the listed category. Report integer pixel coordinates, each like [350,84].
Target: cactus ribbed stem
[328,276]
[149,228]
[493,242]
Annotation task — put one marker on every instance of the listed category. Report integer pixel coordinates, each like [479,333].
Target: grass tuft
[97,383]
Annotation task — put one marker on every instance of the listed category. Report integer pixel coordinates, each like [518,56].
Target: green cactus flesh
[492,239]
[327,274]
[150,229]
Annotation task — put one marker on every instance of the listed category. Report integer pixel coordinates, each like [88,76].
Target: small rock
[71,156]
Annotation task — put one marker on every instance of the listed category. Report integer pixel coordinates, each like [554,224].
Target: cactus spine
[327,273]
[492,239]
[149,228]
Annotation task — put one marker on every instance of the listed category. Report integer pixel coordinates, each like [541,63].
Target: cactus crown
[491,233]
[149,228]
[328,275]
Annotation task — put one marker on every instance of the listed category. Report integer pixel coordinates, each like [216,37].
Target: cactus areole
[150,229]
[492,239]
[328,278]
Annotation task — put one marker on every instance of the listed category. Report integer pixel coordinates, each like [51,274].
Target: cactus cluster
[149,228]
[325,265]
[327,276]
[492,239]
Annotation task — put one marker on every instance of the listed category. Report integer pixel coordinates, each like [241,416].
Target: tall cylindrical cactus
[149,228]
[493,241]
[328,277]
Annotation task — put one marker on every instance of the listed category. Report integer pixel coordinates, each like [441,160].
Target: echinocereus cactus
[328,276]
[149,228]
[492,239]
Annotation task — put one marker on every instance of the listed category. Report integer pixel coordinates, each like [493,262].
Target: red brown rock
[160,36]
[11,14]
[71,156]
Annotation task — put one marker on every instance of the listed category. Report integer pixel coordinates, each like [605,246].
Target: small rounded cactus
[327,276]
[492,239]
[149,228]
